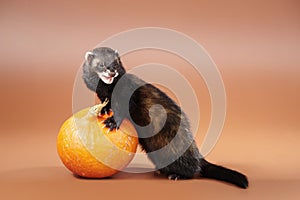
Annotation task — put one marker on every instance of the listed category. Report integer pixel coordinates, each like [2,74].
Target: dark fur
[187,165]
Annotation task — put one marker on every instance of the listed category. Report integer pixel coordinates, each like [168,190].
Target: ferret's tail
[209,170]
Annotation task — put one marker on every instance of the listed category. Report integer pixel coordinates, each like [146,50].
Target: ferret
[102,69]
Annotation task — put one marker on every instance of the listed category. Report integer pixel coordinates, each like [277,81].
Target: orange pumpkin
[89,149]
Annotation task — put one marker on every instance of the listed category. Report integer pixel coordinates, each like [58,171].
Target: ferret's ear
[117,53]
[89,56]
[117,57]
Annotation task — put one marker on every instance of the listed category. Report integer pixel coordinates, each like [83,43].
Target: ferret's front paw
[111,123]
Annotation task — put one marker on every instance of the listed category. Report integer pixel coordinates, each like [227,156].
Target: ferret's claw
[111,123]
[174,177]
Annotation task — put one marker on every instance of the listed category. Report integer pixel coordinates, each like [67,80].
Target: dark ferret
[102,69]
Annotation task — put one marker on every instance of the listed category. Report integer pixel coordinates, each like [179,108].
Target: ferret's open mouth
[106,77]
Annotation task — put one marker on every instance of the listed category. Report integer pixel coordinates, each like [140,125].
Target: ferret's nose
[112,73]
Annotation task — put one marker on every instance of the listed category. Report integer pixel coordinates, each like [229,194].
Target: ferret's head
[105,62]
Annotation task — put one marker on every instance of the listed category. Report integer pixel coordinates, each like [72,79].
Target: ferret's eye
[95,62]
[101,64]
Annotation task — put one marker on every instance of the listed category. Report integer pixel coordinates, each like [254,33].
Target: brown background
[255,45]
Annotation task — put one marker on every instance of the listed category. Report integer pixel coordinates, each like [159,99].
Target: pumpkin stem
[96,109]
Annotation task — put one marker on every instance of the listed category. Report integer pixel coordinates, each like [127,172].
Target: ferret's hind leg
[178,170]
